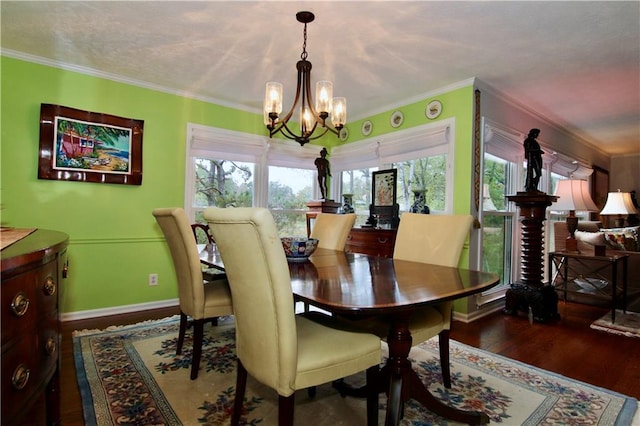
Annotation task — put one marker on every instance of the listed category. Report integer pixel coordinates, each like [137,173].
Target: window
[221,183]
[289,192]
[498,230]
[227,169]
[422,155]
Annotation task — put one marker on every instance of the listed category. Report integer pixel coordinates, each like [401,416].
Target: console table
[591,281]
[371,241]
[32,270]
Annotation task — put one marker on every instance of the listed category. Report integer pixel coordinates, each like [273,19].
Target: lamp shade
[619,203]
[573,194]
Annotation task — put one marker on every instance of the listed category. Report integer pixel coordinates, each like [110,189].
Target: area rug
[627,324]
[131,375]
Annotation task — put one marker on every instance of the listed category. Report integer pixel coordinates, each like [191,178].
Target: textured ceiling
[576,63]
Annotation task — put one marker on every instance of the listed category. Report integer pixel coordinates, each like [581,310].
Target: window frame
[221,144]
[417,142]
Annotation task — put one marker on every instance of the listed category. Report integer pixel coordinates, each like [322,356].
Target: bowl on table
[298,249]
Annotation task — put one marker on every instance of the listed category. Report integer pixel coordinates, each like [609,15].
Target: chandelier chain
[304,54]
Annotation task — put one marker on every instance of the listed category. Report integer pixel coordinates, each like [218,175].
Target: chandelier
[311,115]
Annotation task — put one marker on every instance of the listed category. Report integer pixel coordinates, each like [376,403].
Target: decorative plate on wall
[397,118]
[434,108]
[344,134]
[367,127]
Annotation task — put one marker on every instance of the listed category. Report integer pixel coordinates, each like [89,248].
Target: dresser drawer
[21,374]
[19,306]
[376,242]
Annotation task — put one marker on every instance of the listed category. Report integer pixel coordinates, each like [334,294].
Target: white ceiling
[576,63]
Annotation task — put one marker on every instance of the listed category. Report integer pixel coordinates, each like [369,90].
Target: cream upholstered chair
[332,230]
[199,300]
[281,350]
[436,239]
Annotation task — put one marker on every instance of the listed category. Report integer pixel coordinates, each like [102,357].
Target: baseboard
[488,309]
[117,310]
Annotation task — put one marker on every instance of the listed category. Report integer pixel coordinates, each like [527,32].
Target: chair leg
[372,395]
[198,331]
[181,332]
[241,385]
[444,358]
[312,391]
[285,409]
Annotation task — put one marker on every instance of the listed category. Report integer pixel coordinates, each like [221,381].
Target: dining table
[359,286]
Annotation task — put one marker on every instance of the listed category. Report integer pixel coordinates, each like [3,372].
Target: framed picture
[88,146]
[599,189]
[384,187]
[384,209]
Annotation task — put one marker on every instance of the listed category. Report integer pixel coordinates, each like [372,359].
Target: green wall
[114,241]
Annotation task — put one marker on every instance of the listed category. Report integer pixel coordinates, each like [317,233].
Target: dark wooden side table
[586,272]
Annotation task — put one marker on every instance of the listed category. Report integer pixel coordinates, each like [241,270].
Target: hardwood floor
[568,347]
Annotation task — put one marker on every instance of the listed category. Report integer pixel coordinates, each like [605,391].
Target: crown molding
[119,79]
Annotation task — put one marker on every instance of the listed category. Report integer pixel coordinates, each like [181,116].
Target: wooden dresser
[372,241]
[33,269]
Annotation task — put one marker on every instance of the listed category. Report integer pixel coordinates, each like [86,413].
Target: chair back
[428,238]
[258,274]
[201,233]
[332,230]
[186,261]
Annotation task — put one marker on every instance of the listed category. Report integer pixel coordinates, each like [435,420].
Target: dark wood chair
[203,235]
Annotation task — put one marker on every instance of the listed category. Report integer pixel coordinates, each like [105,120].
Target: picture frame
[86,146]
[384,209]
[384,188]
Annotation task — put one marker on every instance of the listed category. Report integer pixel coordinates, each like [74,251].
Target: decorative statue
[420,202]
[347,203]
[533,154]
[324,170]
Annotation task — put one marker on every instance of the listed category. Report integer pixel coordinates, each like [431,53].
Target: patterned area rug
[626,324]
[131,375]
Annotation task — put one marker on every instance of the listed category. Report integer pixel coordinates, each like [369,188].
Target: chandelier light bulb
[324,96]
[339,113]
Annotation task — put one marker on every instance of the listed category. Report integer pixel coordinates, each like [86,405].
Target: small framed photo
[89,146]
[384,188]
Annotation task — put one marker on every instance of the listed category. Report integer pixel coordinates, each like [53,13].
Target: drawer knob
[20,304]
[383,240]
[49,287]
[20,377]
[50,346]
[65,269]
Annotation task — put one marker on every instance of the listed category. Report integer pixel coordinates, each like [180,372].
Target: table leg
[404,382]
[614,285]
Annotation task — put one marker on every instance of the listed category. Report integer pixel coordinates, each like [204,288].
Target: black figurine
[324,170]
[533,154]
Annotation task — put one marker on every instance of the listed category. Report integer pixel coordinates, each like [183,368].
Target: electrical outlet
[153,279]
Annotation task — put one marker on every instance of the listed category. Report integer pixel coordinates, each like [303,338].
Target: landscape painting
[82,145]
[89,147]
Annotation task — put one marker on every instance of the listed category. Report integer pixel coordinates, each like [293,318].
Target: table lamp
[573,195]
[619,204]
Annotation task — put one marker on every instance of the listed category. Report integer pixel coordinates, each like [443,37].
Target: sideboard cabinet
[33,270]
[372,241]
